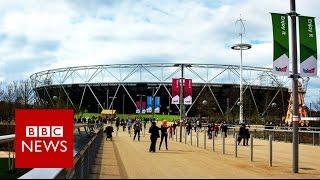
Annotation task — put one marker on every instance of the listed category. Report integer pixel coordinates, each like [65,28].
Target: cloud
[43,35]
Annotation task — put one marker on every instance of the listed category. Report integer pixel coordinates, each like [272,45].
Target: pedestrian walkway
[189,161]
[107,163]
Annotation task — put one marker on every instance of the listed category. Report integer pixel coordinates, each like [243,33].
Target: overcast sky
[37,35]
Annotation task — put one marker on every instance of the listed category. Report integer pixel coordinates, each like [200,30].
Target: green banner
[308,46]
[280,44]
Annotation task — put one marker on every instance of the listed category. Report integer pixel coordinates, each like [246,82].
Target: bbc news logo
[44,146]
[44,138]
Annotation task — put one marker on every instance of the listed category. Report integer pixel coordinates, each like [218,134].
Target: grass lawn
[124,116]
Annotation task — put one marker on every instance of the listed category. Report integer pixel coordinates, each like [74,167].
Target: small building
[108,113]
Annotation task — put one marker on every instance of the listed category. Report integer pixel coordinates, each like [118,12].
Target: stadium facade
[118,86]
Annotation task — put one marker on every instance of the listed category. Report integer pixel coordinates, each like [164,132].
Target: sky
[37,35]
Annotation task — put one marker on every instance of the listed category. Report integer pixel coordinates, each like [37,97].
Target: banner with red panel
[175,91]
[144,107]
[138,107]
[187,97]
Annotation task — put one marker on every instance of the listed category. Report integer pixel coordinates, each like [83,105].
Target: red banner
[141,106]
[175,91]
[187,97]
[138,107]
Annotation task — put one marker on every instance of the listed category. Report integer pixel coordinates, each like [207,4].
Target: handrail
[7,138]
[44,173]
[278,130]
[61,173]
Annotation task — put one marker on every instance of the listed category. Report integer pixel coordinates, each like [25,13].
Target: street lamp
[241,46]
[55,100]
[112,103]
[205,102]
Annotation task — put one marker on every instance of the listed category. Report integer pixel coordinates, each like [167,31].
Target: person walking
[137,128]
[154,135]
[170,131]
[174,127]
[246,136]
[164,133]
[209,130]
[117,124]
[189,127]
[242,134]
[216,129]
[224,129]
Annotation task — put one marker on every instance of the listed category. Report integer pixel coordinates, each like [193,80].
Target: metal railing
[306,136]
[82,161]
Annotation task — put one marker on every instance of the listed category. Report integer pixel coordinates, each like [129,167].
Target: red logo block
[44,138]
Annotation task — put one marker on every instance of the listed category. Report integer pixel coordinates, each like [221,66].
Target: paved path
[189,161]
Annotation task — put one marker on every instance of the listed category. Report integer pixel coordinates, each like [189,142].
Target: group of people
[243,134]
[154,135]
[166,130]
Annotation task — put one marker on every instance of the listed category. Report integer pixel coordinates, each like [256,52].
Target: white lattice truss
[207,75]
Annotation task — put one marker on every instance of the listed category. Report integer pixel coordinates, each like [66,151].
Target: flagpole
[181,102]
[295,101]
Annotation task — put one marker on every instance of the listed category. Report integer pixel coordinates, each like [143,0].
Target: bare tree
[1,91]
[25,92]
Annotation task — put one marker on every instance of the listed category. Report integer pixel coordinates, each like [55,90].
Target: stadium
[120,86]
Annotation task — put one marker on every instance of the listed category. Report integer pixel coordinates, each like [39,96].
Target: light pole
[181,102]
[228,109]
[123,96]
[55,99]
[153,94]
[274,106]
[108,98]
[112,102]
[204,103]
[241,47]
[295,101]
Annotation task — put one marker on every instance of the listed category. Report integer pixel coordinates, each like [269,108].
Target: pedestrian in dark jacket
[137,127]
[242,134]
[117,124]
[154,131]
[246,136]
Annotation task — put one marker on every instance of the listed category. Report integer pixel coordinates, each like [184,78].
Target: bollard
[313,138]
[234,132]
[213,140]
[255,133]
[251,147]
[285,136]
[176,135]
[205,140]
[273,135]
[185,136]
[235,145]
[223,144]
[270,150]
[197,138]
[191,137]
